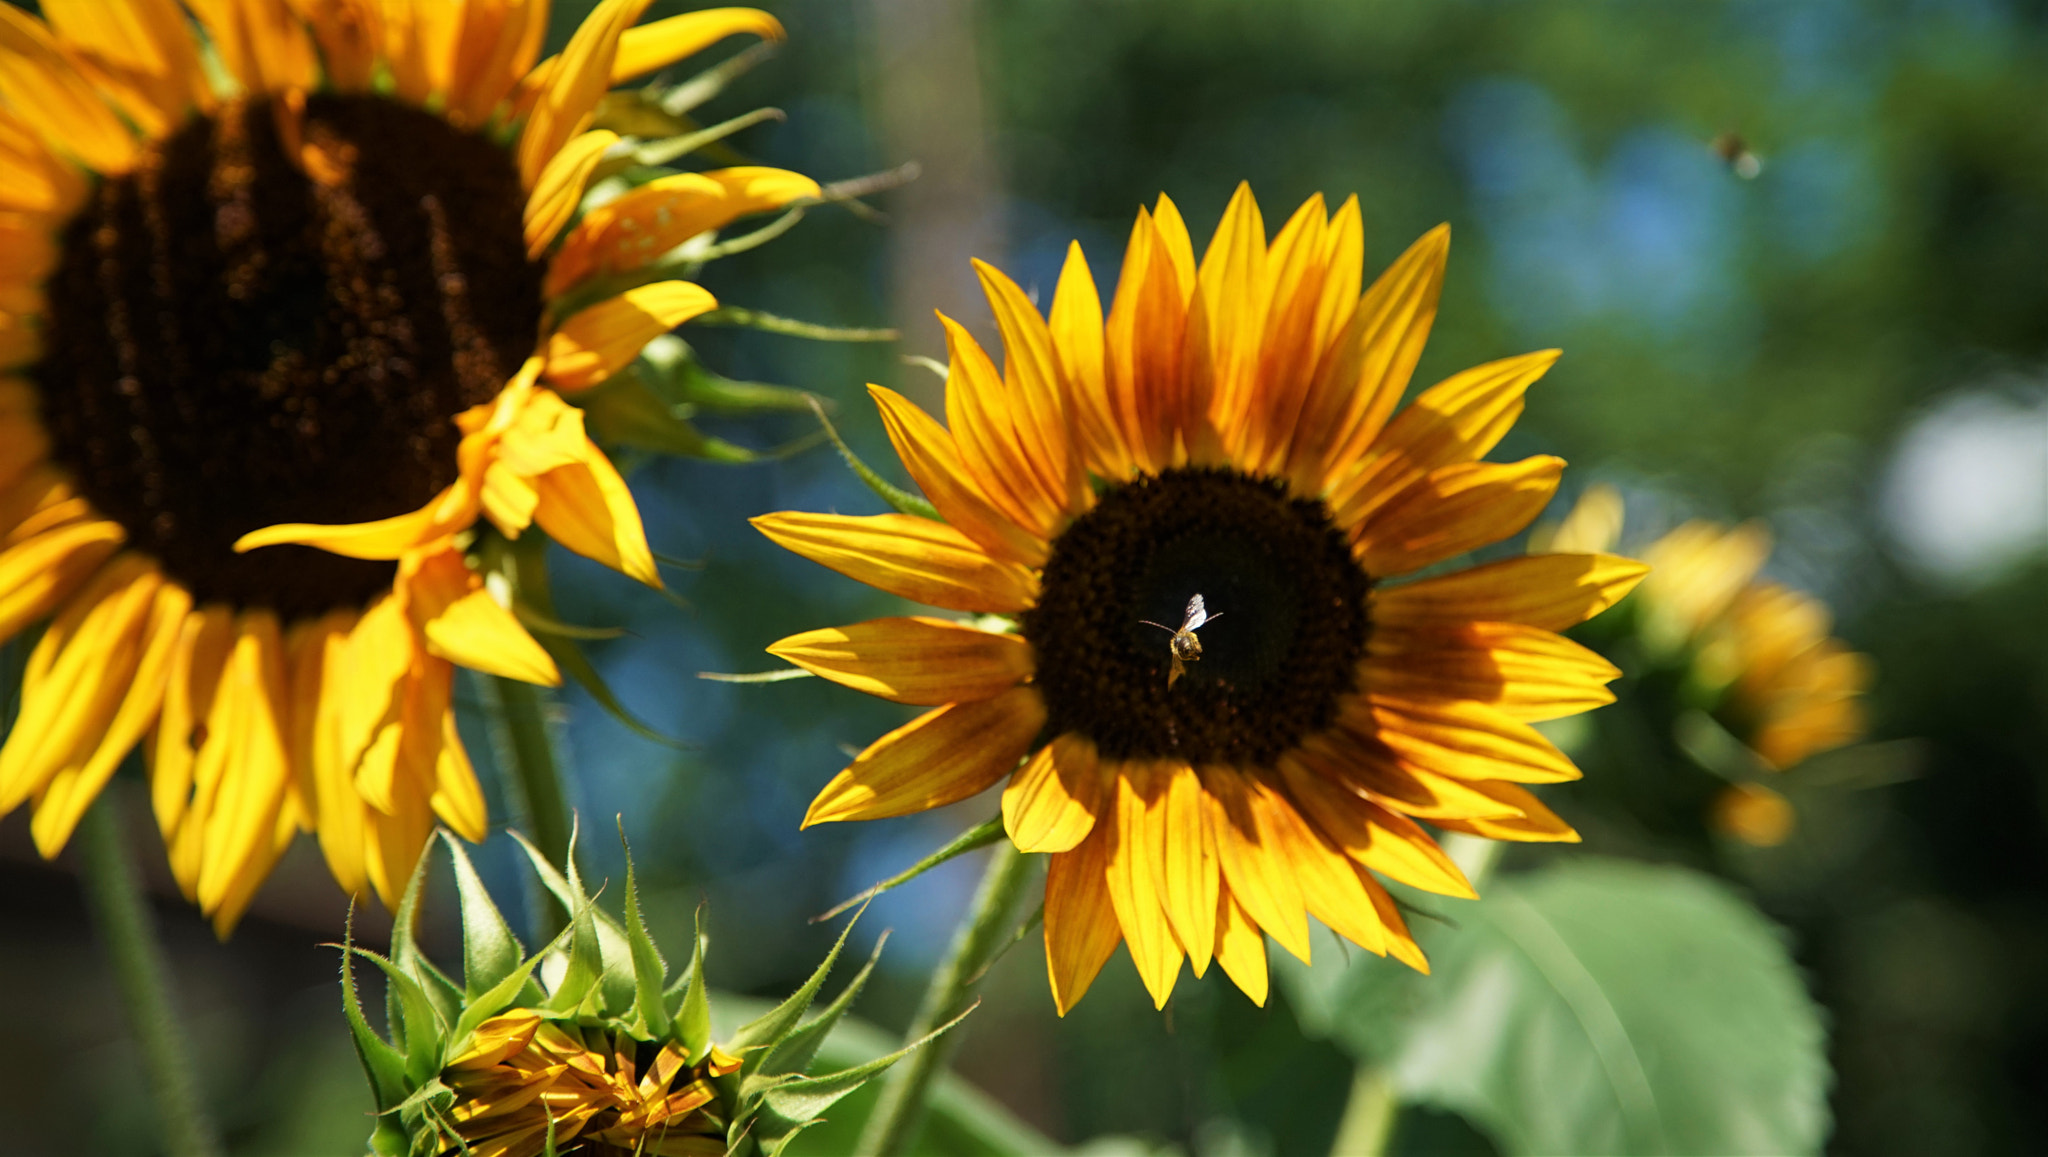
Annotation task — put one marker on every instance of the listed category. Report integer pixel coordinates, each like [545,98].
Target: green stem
[983,933]
[1375,1104]
[114,894]
[526,754]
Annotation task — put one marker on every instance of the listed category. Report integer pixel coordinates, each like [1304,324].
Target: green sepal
[669,367]
[615,990]
[525,564]
[709,83]
[683,143]
[756,1039]
[534,621]
[899,499]
[501,996]
[383,1064]
[649,969]
[625,412]
[613,957]
[422,1030]
[735,315]
[794,1052]
[979,836]
[693,1012]
[490,952]
[793,1105]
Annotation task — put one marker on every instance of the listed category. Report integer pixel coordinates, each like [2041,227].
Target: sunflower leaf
[899,499]
[649,970]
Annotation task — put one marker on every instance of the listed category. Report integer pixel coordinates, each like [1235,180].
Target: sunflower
[1227,432]
[280,342]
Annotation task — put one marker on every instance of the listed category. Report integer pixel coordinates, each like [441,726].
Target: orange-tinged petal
[559,188]
[1465,740]
[261,42]
[1552,591]
[640,226]
[1537,823]
[462,623]
[1365,372]
[1076,326]
[492,53]
[912,660]
[1400,942]
[1055,799]
[33,181]
[1133,881]
[1454,509]
[1234,291]
[571,90]
[1188,875]
[600,341]
[983,417]
[663,42]
[350,34]
[1528,673]
[138,51]
[1259,428]
[1329,887]
[1374,836]
[1036,394]
[1255,865]
[39,81]
[140,692]
[1240,949]
[1081,928]
[920,559]
[929,452]
[941,757]
[1144,337]
[1457,420]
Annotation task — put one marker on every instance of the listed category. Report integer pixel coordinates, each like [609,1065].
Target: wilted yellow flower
[1219,455]
[1793,691]
[306,307]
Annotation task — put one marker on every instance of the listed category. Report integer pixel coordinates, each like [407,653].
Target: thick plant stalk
[987,928]
[121,914]
[526,755]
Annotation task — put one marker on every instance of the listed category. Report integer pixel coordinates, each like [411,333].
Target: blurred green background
[1851,344]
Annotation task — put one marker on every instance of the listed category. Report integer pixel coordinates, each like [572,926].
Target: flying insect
[1185,647]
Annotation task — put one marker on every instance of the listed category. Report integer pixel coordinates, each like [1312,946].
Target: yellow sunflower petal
[386,538]
[600,341]
[559,188]
[1240,949]
[39,572]
[1290,344]
[640,226]
[1528,673]
[941,757]
[39,82]
[316,686]
[380,651]
[565,483]
[350,34]
[1076,326]
[1255,865]
[657,45]
[1457,420]
[1055,799]
[912,660]
[930,453]
[261,42]
[1133,887]
[1400,942]
[1186,865]
[1467,740]
[573,85]
[1234,291]
[1454,509]
[1081,929]
[1329,886]
[1037,394]
[496,47]
[988,430]
[139,52]
[202,649]
[75,677]
[1353,754]
[1380,839]
[458,798]
[1367,369]
[1537,823]
[76,785]
[1552,591]
[240,778]
[464,624]
[1142,340]
[917,558]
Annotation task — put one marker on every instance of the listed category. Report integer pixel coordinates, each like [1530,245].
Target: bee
[1184,646]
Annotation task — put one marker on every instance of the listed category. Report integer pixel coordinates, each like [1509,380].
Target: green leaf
[384,1065]
[693,1015]
[1601,1006]
[899,499]
[649,970]
[490,951]
[771,1027]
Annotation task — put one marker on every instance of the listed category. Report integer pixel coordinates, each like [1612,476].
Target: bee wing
[1197,615]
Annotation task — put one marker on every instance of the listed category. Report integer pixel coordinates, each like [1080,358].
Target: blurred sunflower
[1227,432]
[279,284]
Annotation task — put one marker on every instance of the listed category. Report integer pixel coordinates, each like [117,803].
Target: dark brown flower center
[232,344]
[1275,575]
